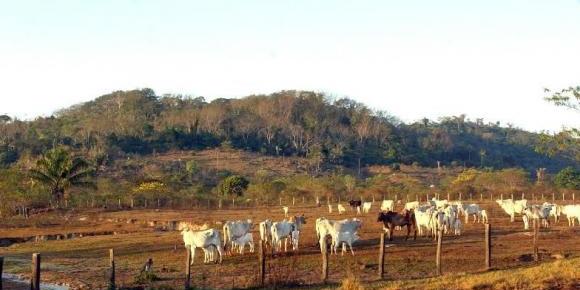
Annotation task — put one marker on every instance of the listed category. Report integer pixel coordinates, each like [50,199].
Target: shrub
[568,178]
[234,184]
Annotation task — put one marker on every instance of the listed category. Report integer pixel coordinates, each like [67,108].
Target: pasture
[137,235]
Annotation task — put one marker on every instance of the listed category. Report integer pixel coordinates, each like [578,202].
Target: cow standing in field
[265,232]
[341,232]
[355,204]
[206,240]
[512,208]
[391,219]
[241,242]
[388,205]
[471,209]
[367,207]
[572,212]
[235,230]
[283,231]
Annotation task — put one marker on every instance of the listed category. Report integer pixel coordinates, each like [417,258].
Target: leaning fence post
[262,263]
[536,232]
[112,269]
[1,268]
[188,267]
[438,256]
[382,257]
[35,278]
[324,260]
[487,247]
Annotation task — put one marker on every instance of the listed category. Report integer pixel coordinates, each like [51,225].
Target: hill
[324,131]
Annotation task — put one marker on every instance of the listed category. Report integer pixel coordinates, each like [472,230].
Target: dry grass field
[136,235]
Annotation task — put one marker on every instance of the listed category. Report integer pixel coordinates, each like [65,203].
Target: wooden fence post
[438,256]
[481,196]
[324,252]
[512,196]
[535,243]
[188,267]
[112,269]
[553,197]
[448,196]
[1,268]
[487,247]
[573,196]
[35,278]
[460,196]
[542,196]
[563,196]
[262,263]
[303,200]
[382,256]
[280,201]
[523,195]
[470,196]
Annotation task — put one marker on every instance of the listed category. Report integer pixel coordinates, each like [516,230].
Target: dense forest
[324,130]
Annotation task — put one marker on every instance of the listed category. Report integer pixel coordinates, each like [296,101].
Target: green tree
[234,185]
[568,178]
[59,170]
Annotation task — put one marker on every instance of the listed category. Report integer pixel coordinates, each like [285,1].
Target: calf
[241,242]
[235,229]
[344,238]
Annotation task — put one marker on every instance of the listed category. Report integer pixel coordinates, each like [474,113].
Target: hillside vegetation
[290,144]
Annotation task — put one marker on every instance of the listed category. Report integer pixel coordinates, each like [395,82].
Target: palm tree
[59,171]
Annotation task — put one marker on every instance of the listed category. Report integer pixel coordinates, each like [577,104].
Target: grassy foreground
[560,274]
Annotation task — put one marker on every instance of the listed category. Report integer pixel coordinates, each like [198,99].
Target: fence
[262,257]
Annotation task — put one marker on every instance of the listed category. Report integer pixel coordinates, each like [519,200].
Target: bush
[234,184]
[568,178]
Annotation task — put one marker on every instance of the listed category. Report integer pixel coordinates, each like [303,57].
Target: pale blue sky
[414,59]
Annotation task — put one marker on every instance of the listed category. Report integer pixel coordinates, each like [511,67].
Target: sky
[487,59]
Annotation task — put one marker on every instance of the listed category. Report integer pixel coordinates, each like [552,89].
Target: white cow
[411,205]
[423,219]
[555,210]
[330,208]
[206,240]
[285,209]
[265,232]
[326,227]
[344,238]
[471,209]
[511,207]
[450,217]
[438,203]
[283,231]
[572,212]
[367,206]
[235,229]
[341,209]
[388,205]
[241,242]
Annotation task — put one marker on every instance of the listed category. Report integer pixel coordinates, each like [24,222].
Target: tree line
[325,130]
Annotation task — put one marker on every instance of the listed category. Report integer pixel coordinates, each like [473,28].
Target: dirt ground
[137,235]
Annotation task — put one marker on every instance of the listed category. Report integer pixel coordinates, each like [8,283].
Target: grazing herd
[425,219]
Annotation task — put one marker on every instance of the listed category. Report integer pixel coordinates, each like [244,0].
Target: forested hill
[290,123]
